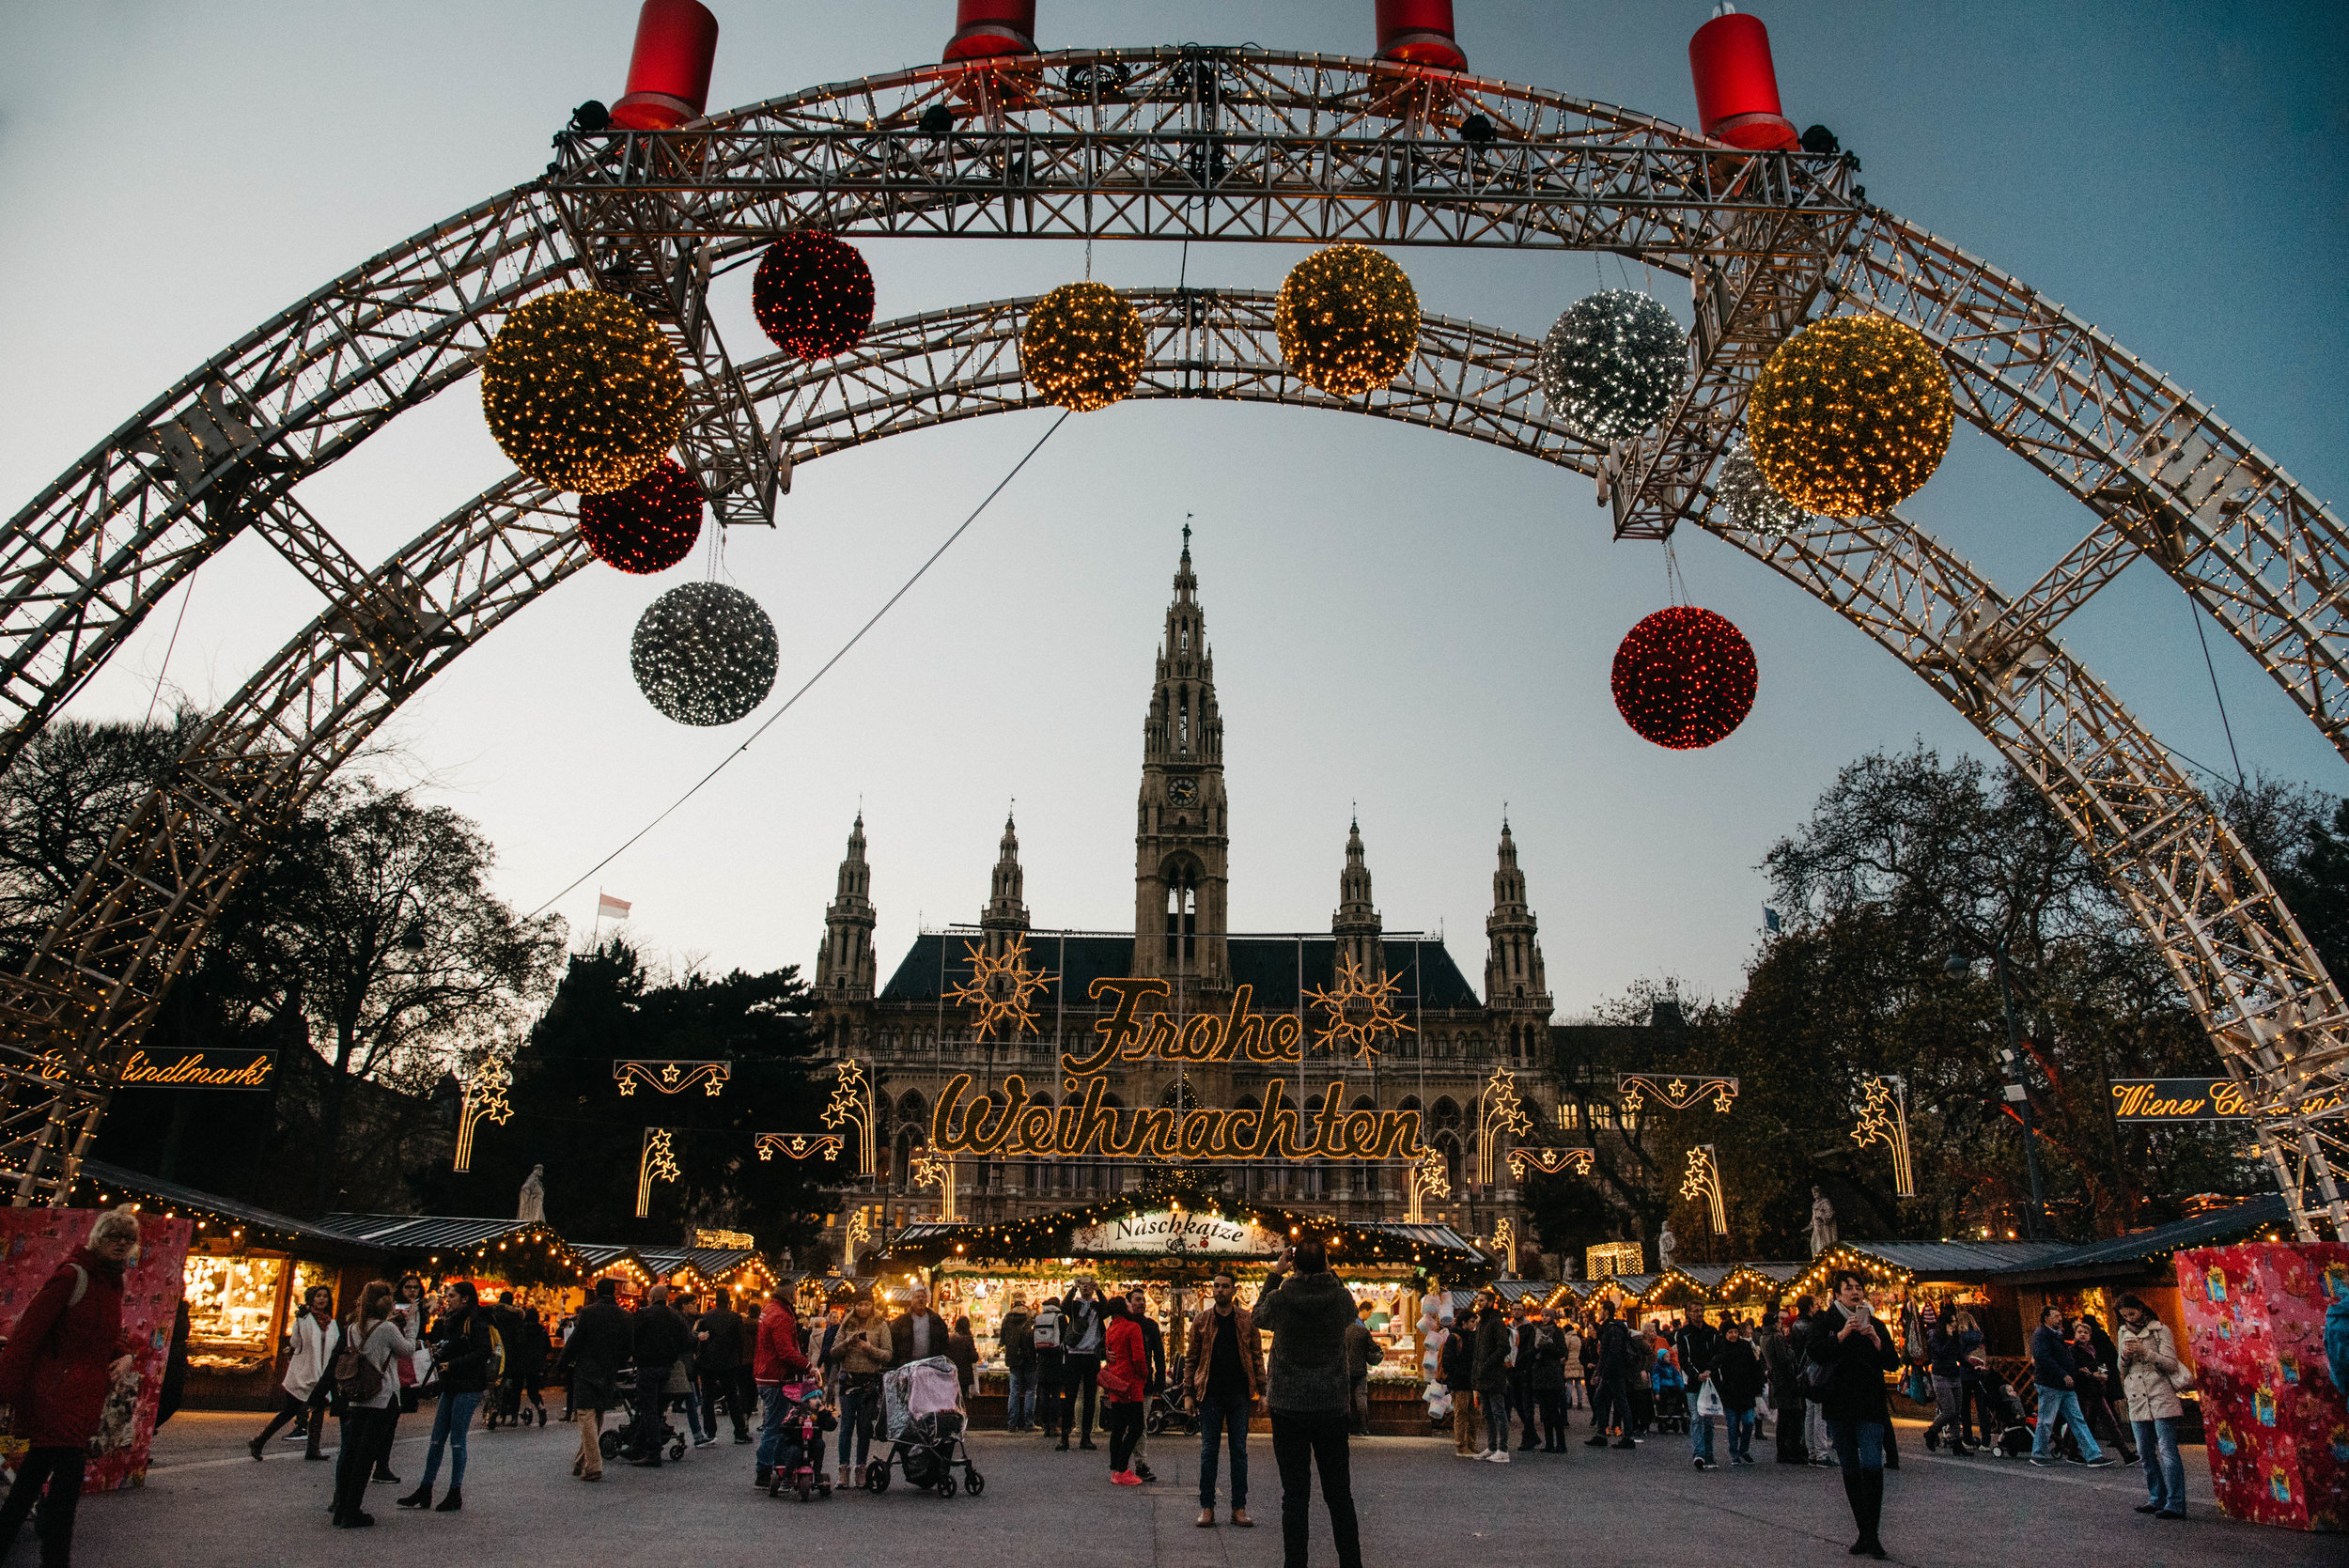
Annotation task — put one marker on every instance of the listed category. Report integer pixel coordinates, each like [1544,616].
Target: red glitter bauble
[650,526]
[813,294]
[1684,678]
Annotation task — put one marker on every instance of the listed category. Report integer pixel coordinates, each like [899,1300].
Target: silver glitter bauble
[1611,365]
[1752,504]
[703,654]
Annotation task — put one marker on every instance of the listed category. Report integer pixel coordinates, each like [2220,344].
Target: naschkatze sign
[1164,1231]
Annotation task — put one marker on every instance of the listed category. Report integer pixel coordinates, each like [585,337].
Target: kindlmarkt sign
[187,1069]
[1160,1232]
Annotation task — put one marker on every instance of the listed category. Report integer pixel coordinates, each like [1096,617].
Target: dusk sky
[1416,626]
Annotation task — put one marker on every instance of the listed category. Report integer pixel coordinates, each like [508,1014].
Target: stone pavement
[206,1503]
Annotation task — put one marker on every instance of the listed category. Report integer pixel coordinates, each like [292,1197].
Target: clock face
[1183,792]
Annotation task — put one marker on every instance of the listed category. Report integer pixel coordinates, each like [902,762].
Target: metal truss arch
[2272,1013]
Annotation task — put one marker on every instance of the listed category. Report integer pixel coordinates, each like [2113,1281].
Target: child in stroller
[2005,1429]
[800,1463]
[1172,1408]
[923,1408]
[615,1443]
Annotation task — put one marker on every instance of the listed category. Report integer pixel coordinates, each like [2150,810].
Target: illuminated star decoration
[1505,1242]
[927,1169]
[484,1100]
[1704,1180]
[1679,1092]
[1360,1008]
[656,1163]
[860,1229]
[1430,1178]
[1499,1111]
[673,1078]
[1550,1161]
[801,1145]
[1884,1119]
[999,987]
[851,1106]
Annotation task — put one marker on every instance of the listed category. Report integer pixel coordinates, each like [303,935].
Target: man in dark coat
[1306,1390]
[917,1333]
[592,1357]
[660,1340]
[722,1365]
[1081,1328]
[1739,1375]
[1618,1360]
[1858,1350]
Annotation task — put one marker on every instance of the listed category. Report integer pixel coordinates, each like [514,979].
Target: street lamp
[2011,1058]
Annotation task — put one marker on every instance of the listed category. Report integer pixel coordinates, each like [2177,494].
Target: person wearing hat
[590,1363]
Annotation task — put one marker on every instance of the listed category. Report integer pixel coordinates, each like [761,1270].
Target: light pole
[2017,1093]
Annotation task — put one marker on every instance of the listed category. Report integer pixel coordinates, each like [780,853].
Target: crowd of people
[1509,1379]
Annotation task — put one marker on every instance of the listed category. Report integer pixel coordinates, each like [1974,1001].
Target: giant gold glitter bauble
[583,391]
[1084,347]
[1684,678]
[1611,365]
[1347,319]
[1850,416]
[703,654]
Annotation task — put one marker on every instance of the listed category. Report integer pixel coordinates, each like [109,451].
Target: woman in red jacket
[62,1356]
[1125,1378]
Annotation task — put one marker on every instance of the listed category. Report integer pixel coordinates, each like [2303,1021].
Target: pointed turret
[1355,924]
[845,962]
[1181,838]
[1517,991]
[1005,917]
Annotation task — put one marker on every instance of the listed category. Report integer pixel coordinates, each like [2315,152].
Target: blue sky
[1418,625]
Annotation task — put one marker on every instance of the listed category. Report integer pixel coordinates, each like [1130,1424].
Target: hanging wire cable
[728,759]
[162,669]
[2195,611]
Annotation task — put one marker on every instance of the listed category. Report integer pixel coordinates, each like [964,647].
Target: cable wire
[2195,611]
[728,759]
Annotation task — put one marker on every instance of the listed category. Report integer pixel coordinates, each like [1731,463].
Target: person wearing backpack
[466,1354]
[64,1354]
[1016,1335]
[367,1387]
[1051,1369]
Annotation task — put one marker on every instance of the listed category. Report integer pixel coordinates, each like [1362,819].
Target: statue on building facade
[1822,1222]
[532,1209]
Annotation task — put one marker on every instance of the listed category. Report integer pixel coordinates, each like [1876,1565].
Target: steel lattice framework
[1212,143]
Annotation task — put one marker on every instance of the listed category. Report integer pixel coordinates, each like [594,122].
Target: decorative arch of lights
[1213,144]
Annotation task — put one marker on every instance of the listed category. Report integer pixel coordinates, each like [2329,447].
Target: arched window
[1181,876]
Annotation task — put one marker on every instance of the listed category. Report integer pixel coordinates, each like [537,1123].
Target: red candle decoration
[813,294]
[648,527]
[1684,678]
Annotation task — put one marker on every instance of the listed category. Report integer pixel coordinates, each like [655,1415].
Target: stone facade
[913,1037]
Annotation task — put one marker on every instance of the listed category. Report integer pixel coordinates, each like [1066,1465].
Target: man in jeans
[1017,1336]
[2051,1370]
[1081,1368]
[1227,1376]
[1617,1364]
[1305,1389]
[1699,1349]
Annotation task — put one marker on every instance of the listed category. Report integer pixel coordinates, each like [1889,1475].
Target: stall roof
[1704,1278]
[298,1235]
[2141,1247]
[596,1255]
[424,1233]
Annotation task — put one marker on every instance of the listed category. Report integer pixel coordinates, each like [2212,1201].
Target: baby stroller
[612,1443]
[1172,1408]
[2012,1438]
[799,1464]
[921,1404]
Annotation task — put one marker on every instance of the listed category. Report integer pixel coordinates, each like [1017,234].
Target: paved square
[206,1502]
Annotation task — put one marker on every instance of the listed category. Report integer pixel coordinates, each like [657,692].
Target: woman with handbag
[365,1382]
[1123,1379]
[412,1370]
[2150,1378]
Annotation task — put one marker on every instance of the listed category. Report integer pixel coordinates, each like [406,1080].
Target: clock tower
[1181,836]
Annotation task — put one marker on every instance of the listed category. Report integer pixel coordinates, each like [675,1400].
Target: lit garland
[583,391]
[1348,319]
[1684,678]
[648,527]
[813,294]
[1851,415]
[1752,504]
[1084,347]
[1611,365]
[703,654]
[1361,1009]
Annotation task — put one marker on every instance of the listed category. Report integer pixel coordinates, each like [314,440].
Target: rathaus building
[1426,1042]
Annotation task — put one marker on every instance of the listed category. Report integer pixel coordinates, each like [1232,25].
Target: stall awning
[262,1229]
[509,1248]
[2130,1255]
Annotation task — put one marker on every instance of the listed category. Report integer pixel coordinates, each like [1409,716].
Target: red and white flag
[608,908]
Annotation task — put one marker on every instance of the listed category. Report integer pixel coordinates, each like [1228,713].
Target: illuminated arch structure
[1214,143]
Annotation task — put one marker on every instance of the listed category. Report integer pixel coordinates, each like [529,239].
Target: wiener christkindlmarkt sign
[1012,1123]
[2190,1099]
[188,1070]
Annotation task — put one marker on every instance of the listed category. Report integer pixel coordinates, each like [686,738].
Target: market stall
[1172,1249]
[616,1260]
[1754,1287]
[245,1274]
[525,1256]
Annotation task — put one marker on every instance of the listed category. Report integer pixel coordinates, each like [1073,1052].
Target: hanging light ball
[813,294]
[1752,504]
[1084,347]
[703,654]
[583,391]
[1684,678]
[648,527]
[1348,319]
[1611,365]
[1851,415]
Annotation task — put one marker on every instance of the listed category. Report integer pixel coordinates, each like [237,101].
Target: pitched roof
[2203,1229]
[421,1233]
[1422,965]
[297,1236]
